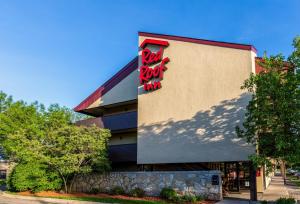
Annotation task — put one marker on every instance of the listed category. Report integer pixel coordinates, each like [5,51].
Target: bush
[200,197]
[94,191]
[168,194]
[34,177]
[189,198]
[2,182]
[263,202]
[137,192]
[286,201]
[117,190]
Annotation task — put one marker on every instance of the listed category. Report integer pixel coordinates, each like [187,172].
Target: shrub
[2,182]
[94,191]
[189,198]
[33,177]
[286,201]
[263,202]
[117,190]
[177,199]
[200,197]
[137,192]
[168,194]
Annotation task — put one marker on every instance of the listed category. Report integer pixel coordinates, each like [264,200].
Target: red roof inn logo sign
[153,65]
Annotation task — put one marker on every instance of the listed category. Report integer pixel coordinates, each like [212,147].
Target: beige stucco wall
[192,118]
[126,90]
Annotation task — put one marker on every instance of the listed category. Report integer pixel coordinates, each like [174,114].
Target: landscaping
[294,179]
[107,198]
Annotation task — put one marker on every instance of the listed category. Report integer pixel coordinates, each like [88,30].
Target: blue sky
[59,51]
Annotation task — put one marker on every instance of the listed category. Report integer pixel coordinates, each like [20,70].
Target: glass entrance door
[236,176]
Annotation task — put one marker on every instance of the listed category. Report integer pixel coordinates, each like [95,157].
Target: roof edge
[200,41]
[108,85]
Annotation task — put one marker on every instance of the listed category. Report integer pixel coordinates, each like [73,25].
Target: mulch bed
[99,195]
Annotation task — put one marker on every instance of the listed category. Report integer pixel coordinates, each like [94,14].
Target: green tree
[73,150]
[5,101]
[31,133]
[272,120]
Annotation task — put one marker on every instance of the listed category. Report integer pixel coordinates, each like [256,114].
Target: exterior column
[238,175]
[253,187]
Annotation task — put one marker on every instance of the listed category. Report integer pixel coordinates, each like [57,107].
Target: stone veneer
[184,182]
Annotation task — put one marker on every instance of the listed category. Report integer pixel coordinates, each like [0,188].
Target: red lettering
[145,56]
[147,73]
[143,73]
[163,68]
[148,87]
[154,86]
[149,57]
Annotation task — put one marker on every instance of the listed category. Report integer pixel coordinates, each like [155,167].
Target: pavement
[276,190]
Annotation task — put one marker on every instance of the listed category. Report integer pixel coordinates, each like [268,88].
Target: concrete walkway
[276,190]
[231,201]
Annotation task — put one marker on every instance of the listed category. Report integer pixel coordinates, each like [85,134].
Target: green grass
[102,200]
[110,200]
[294,180]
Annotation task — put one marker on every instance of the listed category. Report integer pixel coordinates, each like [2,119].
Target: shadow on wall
[208,136]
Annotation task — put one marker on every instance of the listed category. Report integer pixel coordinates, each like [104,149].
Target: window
[2,174]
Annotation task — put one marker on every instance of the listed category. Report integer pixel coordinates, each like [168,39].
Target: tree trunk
[284,171]
[65,185]
[72,182]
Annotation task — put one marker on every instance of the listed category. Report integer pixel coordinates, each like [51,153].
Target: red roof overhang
[108,85]
[154,42]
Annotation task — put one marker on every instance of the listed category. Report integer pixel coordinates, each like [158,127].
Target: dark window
[2,174]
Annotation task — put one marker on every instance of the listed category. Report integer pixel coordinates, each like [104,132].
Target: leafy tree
[31,133]
[5,101]
[272,120]
[73,150]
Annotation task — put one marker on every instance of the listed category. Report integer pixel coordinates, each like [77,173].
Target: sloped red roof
[108,85]
[200,41]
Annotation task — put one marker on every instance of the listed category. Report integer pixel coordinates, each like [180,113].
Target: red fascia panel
[108,85]
[154,42]
[258,68]
[200,41]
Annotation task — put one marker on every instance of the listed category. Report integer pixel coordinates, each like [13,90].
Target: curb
[50,200]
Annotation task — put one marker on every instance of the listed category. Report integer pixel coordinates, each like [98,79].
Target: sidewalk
[276,189]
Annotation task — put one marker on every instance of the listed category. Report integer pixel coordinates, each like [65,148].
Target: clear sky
[60,51]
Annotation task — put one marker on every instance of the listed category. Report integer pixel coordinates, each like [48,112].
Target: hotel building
[175,107]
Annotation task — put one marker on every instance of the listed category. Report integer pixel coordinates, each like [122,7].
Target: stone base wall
[184,182]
